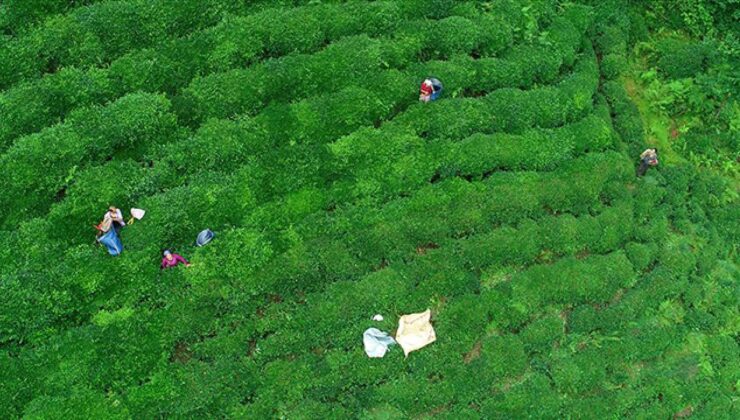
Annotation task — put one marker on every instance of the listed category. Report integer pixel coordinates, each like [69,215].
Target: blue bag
[204,237]
[112,242]
[436,88]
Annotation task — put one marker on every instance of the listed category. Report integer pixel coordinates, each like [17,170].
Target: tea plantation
[561,284]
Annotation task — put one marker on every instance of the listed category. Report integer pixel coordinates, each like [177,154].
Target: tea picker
[112,218]
[430,90]
[170,260]
[648,158]
[109,231]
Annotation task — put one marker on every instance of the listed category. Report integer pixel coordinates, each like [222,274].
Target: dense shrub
[309,126]
[517,402]
[573,281]
[451,35]
[29,107]
[100,32]
[347,60]
[677,59]
[125,127]
[627,119]
[400,159]
[376,238]
[613,40]
[510,110]
[640,255]
[542,335]
[291,78]
[405,89]
[612,65]
[533,150]
[17,15]
[171,66]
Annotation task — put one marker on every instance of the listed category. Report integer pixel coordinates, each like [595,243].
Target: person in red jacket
[430,89]
[426,90]
[172,260]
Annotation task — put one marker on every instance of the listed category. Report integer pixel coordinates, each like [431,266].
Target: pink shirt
[176,259]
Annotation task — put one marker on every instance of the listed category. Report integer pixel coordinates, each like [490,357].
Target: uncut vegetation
[561,285]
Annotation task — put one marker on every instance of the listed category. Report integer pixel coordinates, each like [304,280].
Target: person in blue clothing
[109,230]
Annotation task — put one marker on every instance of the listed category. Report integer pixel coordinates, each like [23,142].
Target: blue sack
[436,88]
[112,242]
[204,237]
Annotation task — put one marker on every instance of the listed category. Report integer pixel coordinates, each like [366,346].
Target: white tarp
[415,331]
[376,342]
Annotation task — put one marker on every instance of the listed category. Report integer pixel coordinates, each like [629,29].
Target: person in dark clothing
[648,158]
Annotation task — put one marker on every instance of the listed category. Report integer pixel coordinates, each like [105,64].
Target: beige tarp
[415,331]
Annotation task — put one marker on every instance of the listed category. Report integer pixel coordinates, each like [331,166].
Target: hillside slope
[560,284]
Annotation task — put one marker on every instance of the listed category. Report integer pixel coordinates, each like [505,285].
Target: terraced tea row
[233,43]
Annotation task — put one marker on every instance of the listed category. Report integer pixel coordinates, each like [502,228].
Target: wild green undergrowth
[561,286]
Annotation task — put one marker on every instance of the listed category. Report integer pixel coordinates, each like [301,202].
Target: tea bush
[100,32]
[559,284]
[237,41]
[128,126]
[678,59]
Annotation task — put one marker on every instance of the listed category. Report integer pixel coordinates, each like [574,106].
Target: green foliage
[558,283]
[17,15]
[170,66]
[676,58]
[532,397]
[30,107]
[640,255]
[125,127]
[543,334]
[80,402]
[612,65]
[612,41]
[627,120]
[452,34]
[100,32]
[698,18]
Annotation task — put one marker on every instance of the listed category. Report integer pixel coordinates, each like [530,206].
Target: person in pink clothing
[171,260]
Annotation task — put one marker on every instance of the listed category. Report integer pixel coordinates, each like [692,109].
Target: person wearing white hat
[430,90]
[648,159]
[112,218]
